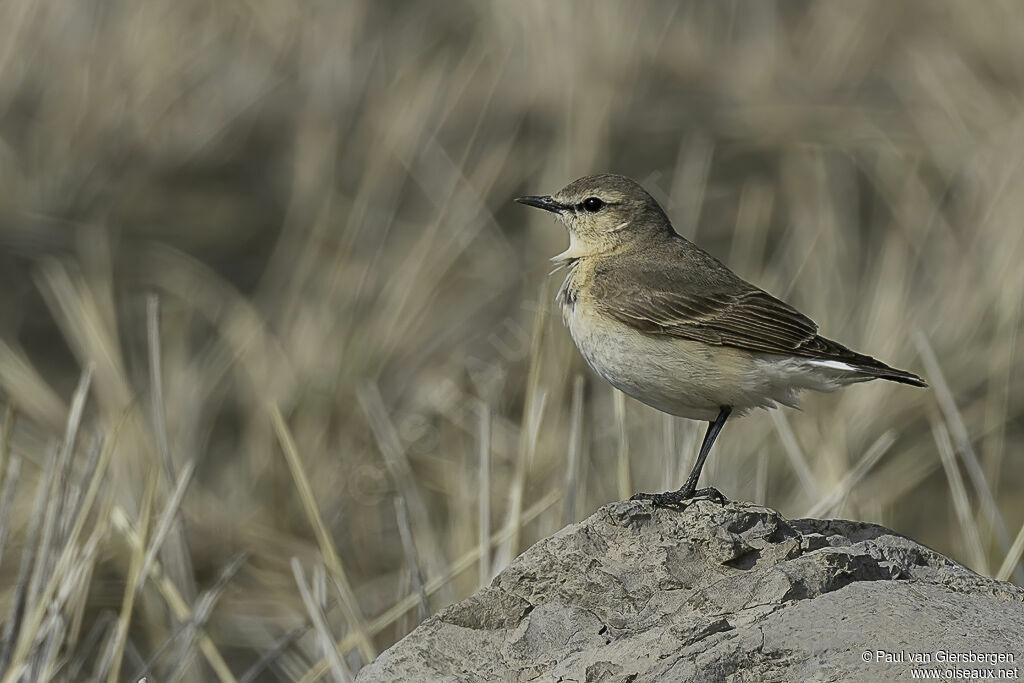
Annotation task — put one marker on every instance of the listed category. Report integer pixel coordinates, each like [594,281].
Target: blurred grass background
[277,352]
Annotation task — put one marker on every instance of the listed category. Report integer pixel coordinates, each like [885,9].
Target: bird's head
[603,213]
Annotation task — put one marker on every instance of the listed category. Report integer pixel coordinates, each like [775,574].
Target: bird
[670,325]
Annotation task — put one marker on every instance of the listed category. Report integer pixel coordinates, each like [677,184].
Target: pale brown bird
[668,324]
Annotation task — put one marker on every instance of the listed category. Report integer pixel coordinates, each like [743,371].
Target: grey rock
[715,592]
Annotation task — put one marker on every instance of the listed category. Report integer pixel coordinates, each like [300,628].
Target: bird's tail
[834,353]
[894,375]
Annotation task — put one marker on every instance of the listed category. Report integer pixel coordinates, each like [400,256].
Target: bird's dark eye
[592,204]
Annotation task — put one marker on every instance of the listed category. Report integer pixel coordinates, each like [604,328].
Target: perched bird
[668,324]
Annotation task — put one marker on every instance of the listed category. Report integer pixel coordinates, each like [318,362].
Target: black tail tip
[904,378]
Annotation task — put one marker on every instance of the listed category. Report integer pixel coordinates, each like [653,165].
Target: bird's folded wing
[746,318]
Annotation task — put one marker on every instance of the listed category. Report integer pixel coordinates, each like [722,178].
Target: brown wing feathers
[753,320]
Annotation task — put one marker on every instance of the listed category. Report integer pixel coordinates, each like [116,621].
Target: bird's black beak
[546,202]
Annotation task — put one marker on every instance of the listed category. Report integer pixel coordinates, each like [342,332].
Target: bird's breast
[674,376]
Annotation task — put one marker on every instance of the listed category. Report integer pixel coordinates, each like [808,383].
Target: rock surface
[717,593]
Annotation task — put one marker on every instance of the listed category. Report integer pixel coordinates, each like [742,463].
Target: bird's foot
[682,497]
[711,493]
[663,500]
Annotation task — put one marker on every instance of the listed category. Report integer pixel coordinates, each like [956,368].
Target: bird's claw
[662,500]
[711,493]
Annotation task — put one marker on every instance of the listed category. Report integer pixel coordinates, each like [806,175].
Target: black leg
[714,428]
[689,489]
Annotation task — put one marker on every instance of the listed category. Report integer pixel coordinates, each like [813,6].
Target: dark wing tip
[904,378]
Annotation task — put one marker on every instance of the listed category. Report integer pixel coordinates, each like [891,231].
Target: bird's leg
[689,489]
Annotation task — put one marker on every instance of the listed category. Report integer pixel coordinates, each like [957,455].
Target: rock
[717,593]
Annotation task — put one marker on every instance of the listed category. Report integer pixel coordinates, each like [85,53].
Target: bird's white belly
[686,378]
